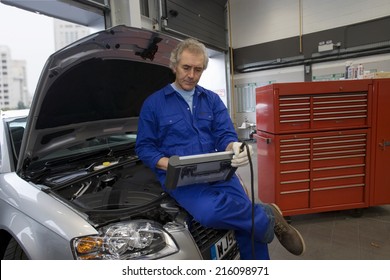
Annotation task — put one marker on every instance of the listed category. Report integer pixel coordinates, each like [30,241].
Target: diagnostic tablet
[194,169]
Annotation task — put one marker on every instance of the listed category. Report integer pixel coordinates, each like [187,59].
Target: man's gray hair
[192,46]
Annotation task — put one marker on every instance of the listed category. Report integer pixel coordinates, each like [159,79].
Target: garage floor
[338,235]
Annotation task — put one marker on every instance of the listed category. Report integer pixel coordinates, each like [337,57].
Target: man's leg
[226,206]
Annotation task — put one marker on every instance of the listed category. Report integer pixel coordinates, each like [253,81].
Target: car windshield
[16,129]
[95,144]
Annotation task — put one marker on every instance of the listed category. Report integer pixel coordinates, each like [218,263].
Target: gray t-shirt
[187,95]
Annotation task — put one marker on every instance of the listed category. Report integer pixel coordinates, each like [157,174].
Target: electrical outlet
[325,47]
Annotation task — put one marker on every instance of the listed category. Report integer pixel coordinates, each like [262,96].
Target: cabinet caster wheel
[357,213]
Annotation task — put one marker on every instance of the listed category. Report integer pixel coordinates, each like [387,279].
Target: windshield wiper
[35,170]
[107,152]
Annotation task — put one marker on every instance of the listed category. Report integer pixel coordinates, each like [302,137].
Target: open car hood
[95,87]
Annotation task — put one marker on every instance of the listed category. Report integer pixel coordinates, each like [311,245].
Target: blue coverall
[167,127]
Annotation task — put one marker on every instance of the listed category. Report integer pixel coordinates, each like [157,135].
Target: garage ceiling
[85,12]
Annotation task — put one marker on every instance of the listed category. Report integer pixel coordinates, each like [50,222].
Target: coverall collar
[170,90]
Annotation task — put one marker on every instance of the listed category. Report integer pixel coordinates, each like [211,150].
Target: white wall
[214,77]
[258,21]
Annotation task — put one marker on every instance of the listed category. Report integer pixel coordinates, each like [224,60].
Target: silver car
[71,185]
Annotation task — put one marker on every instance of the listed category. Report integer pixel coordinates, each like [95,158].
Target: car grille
[205,238]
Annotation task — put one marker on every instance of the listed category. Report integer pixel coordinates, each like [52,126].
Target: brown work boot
[287,235]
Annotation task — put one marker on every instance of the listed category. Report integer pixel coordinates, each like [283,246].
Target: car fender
[42,225]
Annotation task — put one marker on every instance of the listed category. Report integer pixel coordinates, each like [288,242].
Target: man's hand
[240,157]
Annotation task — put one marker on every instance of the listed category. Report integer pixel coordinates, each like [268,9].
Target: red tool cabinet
[324,146]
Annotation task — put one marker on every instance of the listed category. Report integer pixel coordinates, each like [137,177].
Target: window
[144,7]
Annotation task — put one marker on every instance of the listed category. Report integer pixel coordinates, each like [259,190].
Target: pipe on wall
[316,58]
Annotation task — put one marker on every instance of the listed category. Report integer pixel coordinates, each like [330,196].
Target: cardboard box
[377,75]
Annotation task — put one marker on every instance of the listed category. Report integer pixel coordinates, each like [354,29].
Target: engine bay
[125,189]
[121,187]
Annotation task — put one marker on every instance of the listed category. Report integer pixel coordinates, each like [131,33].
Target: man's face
[189,70]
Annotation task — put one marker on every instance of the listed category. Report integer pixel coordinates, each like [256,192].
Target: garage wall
[290,34]
[288,31]
[256,79]
[260,21]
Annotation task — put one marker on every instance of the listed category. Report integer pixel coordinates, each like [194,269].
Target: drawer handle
[340,118]
[338,187]
[338,177]
[265,139]
[296,191]
[384,144]
[295,181]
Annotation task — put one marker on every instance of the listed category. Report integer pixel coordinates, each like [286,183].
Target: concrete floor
[338,235]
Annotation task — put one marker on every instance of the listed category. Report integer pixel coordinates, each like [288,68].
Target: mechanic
[184,118]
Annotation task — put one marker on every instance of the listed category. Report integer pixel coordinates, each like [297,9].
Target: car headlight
[138,239]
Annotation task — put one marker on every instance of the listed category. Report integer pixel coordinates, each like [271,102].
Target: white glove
[240,156]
